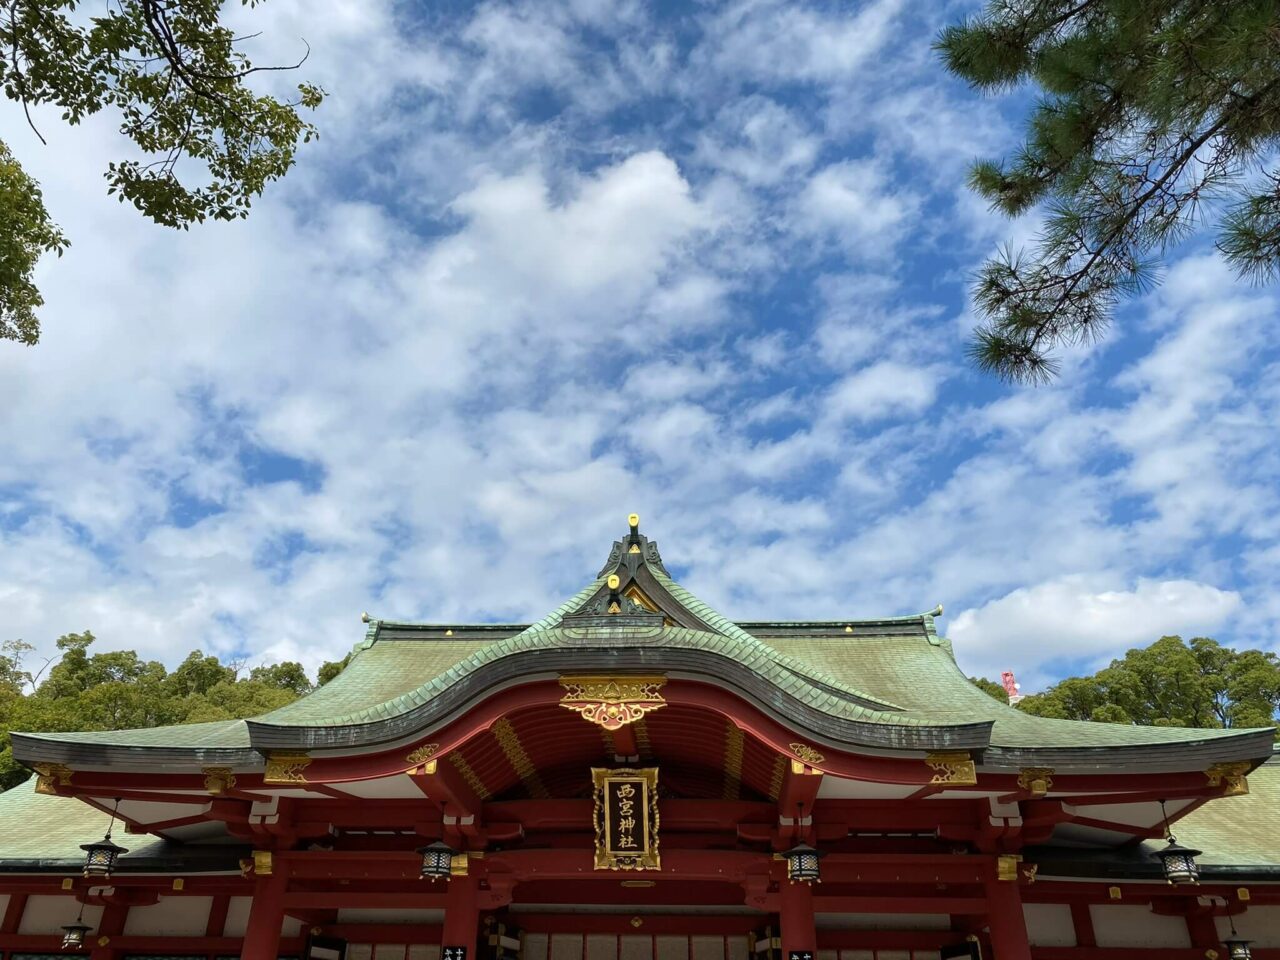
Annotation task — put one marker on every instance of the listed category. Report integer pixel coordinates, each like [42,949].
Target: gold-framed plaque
[626,818]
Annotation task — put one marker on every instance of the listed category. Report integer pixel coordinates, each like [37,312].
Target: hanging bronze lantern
[1237,946]
[437,860]
[100,857]
[1179,862]
[74,934]
[802,863]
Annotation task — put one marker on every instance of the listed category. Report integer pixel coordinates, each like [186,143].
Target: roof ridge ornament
[633,551]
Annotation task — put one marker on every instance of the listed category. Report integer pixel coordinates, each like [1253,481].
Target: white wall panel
[1049,924]
[671,948]
[50,914]
[1259,924]
[238,916]
[1124,926]
[602,946]
[566,946]
[636,948]
[534,946]
[171,917]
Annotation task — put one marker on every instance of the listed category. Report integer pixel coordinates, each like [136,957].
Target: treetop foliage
[1154,115]
[1171,683]
[179,80]
[118,690]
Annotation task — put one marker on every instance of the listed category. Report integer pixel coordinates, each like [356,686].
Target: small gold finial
[634,521]
[613,582]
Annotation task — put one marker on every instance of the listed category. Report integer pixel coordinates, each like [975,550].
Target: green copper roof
[885,683]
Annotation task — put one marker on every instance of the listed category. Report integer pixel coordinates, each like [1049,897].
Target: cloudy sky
[551,263]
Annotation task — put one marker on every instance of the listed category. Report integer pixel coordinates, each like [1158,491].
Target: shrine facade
[637,777]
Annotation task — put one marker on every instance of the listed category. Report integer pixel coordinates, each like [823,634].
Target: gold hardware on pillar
[218,780]
[262,863]
[1114,893]
[68,883]
[1037,781]
[179,883]
[1242,894]
[1007,866]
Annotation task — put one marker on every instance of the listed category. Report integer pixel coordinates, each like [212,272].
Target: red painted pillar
[1008,927]
[110,927]
[799,934]
[266,916]
[461,915]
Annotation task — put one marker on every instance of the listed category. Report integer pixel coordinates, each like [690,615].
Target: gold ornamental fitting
[613,581]
[634,521]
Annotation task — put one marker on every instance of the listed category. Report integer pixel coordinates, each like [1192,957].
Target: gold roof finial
[364,618]
[634,520]
[614,582]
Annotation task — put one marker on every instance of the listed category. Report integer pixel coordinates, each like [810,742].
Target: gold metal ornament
[50,776]
[218,780]
[286,768]
[1007,866]
[612,702]
[1037,781]
[953,768]
[1232,775]
[807,753]
[262,865]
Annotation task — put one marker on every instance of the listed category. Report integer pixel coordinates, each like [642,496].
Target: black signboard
[626,816]
[962,951]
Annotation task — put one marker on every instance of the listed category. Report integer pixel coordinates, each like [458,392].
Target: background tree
[1175,683]
[1155,115]
[178,79]
[118,690]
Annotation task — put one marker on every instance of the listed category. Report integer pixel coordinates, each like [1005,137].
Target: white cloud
[881,390]
[855,204]
[1082,618]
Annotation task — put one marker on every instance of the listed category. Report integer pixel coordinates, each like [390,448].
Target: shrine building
[636,777]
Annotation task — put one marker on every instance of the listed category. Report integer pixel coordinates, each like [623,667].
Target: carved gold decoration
[50,776]
[1115,893]
[179,883]
[1007,866]
[633,521]
[614,581]
[514,751]
[612,702]
[218,780]
[733,745]
[1242,894]
[1029,872]
[468,774]
[775,777]
[423,754]
[1037,781]
[616,829]
[68,883]
[807,753]
[1230,774]
[954,768]
[286,768]
[459,864]
[262,863]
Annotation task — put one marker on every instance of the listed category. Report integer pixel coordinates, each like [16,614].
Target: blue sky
[551,263]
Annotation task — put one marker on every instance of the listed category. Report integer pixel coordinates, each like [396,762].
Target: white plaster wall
[1049,924]
[707,948]
[417,951]
[566,946]
[48,914]
[602,946]
[1124,926]
[1259,924]
[635,948]
[671,948]
[172,916]
[237,916]
[534,946]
